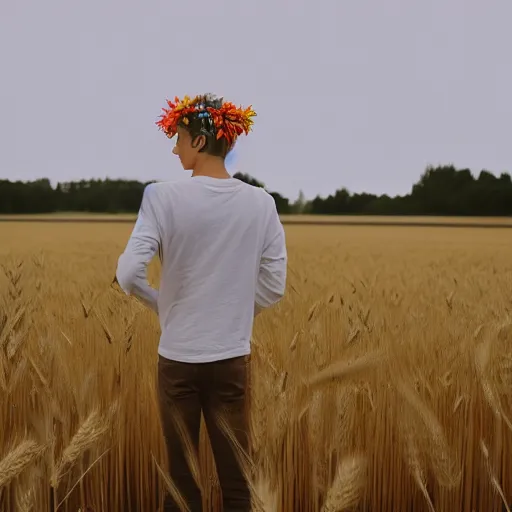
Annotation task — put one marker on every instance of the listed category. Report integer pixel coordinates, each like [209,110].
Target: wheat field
[382,382]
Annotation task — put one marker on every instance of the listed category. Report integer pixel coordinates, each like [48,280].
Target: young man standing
[223,253]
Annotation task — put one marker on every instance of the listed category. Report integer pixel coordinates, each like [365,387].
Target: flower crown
[228,120]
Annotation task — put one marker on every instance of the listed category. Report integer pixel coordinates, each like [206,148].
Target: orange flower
[229,120]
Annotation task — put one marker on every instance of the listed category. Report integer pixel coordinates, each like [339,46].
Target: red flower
[229,121]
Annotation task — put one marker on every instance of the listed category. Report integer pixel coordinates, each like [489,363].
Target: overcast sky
[356,93]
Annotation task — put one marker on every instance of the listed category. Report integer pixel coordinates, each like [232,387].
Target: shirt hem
[210,358]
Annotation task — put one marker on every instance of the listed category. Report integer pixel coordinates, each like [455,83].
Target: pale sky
[356,93]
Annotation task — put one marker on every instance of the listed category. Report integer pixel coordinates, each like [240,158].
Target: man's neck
[214,168]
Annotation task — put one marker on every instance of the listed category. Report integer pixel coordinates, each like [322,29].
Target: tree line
[441,190]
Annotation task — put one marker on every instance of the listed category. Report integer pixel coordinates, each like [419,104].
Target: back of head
[201,122]
[205,125]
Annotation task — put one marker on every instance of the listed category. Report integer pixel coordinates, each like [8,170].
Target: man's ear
[199,142]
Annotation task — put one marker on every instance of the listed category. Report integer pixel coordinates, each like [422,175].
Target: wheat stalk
[19,459]
[346,490]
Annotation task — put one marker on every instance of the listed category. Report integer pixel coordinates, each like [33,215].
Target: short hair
[197,125]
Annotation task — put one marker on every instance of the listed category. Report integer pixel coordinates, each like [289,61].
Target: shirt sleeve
[271,283]
[142,246]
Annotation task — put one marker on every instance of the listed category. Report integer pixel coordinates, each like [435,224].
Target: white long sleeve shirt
[223,253]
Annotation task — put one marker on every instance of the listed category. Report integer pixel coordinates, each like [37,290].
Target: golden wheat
[382,382]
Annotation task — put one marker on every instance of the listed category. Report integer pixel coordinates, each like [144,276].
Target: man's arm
[142,246]
[271,283]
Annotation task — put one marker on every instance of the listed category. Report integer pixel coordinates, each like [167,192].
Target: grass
[289,219]
[383,381]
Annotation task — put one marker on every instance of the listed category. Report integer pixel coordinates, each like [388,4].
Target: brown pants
[186,389]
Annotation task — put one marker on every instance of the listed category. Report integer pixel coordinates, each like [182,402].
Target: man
[223,253]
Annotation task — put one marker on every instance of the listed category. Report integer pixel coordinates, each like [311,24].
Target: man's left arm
[142,246]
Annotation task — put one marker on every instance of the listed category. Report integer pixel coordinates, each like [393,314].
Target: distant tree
[246,178]
[505,179]
[282,203]
[441,190]
[300,205]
